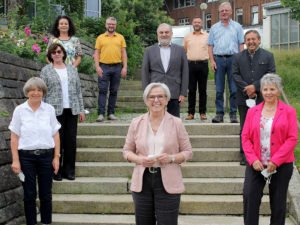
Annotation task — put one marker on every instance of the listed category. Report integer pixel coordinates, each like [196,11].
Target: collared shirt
[63,76]
[226,40]
[196,46]
[165,54]
[110,47]
[34,128]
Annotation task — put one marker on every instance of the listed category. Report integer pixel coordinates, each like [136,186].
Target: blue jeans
[153,205]
[224,65]
[111,77]
[40,167]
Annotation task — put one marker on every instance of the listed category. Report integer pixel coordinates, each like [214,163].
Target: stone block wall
[14,72]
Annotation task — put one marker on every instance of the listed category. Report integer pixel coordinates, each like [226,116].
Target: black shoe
[243,161]
[218,119]
[233,118]
[57,177]
[69,177]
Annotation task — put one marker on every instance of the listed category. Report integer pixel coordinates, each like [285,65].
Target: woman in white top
[35,149]
[64,94]
[157,143]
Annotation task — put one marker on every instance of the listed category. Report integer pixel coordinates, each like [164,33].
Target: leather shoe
[190,117]
[243,161]
[233,118]
[218,119]
[69,177]
[203,116]
[57,177]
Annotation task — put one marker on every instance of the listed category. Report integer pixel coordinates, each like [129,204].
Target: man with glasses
[166,62]
[111,63]
[226,38]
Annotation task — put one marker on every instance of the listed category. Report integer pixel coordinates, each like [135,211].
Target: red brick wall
[191,12]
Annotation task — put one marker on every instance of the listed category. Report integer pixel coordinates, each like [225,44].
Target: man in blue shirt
[226,38]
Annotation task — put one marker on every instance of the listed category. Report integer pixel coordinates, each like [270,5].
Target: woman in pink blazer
[269,137]
[157,143]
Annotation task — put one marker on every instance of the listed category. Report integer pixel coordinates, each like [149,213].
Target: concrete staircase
[100,194]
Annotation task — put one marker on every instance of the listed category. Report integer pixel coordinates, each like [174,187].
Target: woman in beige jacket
[157,143]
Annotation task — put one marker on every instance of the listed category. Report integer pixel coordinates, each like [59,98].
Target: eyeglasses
[56,52]
[153,97]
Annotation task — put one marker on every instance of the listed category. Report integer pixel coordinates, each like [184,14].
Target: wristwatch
[173,158]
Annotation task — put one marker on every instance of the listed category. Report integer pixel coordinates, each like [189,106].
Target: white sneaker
[112,117]
[100,118]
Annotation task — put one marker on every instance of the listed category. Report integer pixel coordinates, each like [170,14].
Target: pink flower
[27,31]
[45,40]
[36,48]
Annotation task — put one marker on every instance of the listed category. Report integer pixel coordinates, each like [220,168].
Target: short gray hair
[111,18]
[225,4]
[164,24]
[35,82]
[254,32]
[154,85]
[271,78]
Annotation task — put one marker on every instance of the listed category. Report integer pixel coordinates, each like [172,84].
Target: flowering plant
[24,43]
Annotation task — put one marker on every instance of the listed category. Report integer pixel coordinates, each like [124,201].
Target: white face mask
[251,102]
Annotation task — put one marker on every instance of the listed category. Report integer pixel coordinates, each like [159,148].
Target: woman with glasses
[63,32]
[157,143]
[64,94]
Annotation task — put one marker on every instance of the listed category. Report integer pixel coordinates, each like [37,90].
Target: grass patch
[4,114]
[287,66]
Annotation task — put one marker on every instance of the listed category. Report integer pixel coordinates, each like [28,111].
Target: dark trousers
[40,167]
[67,134]
[253,192]
[153,205]
[243,109]
[173,107]
[111,78]
[198,74]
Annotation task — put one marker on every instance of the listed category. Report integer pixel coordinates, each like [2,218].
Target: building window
[254,15]
[239,16]
[184,21]
[183,3]
[208,21]
[284,32]
[92,8]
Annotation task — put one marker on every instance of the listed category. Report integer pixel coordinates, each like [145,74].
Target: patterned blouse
[72,47]
[265,138]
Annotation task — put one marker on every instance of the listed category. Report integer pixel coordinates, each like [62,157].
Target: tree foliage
[294,5]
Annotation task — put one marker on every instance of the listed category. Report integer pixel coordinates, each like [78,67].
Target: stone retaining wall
[14,72]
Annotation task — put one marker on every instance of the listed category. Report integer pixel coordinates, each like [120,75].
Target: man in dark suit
[248,67]
[167,63]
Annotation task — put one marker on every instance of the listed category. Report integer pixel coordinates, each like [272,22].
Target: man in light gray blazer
[167,63]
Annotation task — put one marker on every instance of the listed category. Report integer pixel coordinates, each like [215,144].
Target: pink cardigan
[284,134]
[176,141]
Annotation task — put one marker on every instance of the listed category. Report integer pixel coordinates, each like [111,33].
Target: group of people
[157,142]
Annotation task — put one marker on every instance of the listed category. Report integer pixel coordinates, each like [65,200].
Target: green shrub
[87,65]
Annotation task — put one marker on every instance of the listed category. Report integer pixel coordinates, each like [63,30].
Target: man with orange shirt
[196,47]
[111,63]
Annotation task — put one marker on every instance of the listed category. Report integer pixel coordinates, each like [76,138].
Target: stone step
[95,219]
[139,98]
[197,141]
[141,104]
[192,128]
[118,185]
[189,169]
[199,155]
[139,93]
[116,204]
